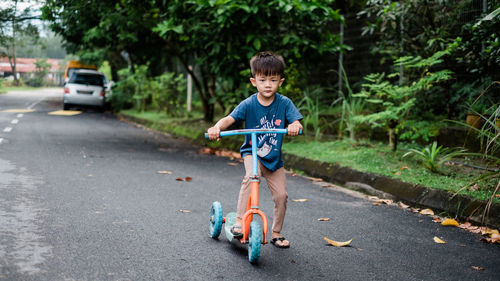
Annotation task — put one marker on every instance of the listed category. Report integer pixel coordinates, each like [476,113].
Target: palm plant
[310,106]
[434,156]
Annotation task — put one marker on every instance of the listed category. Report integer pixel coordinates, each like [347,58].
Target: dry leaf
[315,179]
[497,195]
[450,222]
[415,210]
[427,212]
[376,204]
[164,172]
[232,164]
[188,178]
[439,241]
[465,225]
[437,220]
[337,244]
[478,268]
[488,231]
[475,187]
[397,173]
[299,200]
[206,150]
[404,168]
[402,205]
[385,201]
[179,179]
[185,211]
[293,174]
[324,219]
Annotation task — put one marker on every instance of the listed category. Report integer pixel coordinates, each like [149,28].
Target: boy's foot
[236,231]
[280,242]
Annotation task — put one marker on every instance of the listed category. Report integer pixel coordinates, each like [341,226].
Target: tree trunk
[13,63]
[393,137]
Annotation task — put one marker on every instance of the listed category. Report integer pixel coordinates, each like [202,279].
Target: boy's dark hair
[267,63]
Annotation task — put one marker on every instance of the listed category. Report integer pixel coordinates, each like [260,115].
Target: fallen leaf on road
[185,211]
[495,238]
[188,178]
[315,179]
[293,174]
[478,268]
[385,201]
[164,172]
[232,164]
[324,219]
[206,150]
[299,200]
[402,205]
[439,241]
[488,231]
[427,212]
[450,222]
[415,210]
[179,179]
[437,220]
[465,225]
[337,244]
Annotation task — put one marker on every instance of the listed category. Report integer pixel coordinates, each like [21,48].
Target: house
[25,67]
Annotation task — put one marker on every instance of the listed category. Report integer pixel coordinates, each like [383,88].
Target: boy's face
[267,85]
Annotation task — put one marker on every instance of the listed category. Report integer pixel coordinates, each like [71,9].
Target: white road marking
[15,121]
[1,140]
[20,115]
[35,103]
[7,129]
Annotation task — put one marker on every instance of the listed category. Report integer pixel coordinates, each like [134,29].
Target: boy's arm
[221,125]
[294,128]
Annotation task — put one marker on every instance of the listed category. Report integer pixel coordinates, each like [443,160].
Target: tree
[117,31]
[219,37]
[14,22]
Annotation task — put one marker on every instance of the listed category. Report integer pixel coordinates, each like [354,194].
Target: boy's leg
[245,189]
[276,181]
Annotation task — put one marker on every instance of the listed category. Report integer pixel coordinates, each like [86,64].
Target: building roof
[27,65]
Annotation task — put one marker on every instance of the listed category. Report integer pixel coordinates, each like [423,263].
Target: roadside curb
[460,206]
[463,207]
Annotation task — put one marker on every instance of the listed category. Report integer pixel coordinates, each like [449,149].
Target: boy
[266,110]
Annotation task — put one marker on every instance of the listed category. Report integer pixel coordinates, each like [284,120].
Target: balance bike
[253,233]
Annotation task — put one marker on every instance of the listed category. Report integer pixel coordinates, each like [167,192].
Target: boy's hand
[294,128]
[214,133]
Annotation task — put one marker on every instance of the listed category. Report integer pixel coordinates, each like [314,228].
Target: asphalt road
[81,199]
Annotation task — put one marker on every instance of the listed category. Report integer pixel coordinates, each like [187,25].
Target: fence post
[189,89]
[341,59]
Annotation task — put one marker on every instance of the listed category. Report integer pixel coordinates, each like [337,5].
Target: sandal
[236,234]
[275,240]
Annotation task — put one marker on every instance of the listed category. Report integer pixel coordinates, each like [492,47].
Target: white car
[86,87]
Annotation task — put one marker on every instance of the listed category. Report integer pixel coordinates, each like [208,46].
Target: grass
[370,157]
[378,158]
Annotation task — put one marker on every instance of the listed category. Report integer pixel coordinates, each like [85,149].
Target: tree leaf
[439,241]
[299,200]
[337,244]
[164,172]
[427,212]
[323,219]
[450,222]
[188,178]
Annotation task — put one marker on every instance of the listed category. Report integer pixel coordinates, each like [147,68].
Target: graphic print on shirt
[266,142]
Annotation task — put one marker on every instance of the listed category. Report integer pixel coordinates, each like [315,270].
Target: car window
[87,78]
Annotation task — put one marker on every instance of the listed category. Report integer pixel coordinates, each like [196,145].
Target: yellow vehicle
[75,65]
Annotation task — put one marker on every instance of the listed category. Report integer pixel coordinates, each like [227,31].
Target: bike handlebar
[251,131]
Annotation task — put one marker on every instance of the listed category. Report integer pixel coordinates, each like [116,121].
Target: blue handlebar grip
[206,135]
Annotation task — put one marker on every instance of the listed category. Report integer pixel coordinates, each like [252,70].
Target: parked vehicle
[88,88]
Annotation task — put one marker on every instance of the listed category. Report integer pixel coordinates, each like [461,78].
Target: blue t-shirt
[277,115]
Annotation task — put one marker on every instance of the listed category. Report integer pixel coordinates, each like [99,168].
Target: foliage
[392,101]
[311,110]
[14,22]
[419,130]
[42,68]
[422,28]
[169,93]
[433,156]
[219,37]
[137,89]
[123,90]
